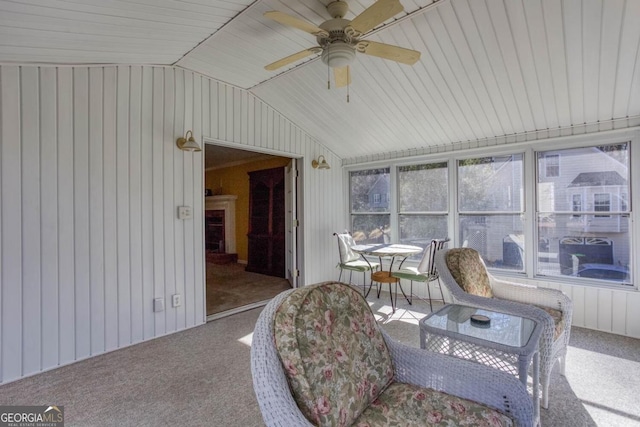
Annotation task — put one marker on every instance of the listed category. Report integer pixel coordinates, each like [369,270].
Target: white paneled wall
[90,180]
[604,309]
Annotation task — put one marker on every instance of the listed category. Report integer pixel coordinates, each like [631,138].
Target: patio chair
[425,271]
[318,357]
[351,261]
[468,282]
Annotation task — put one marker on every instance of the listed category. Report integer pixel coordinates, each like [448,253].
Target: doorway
[230,287]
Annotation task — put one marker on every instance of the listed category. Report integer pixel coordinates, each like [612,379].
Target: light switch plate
[176,300]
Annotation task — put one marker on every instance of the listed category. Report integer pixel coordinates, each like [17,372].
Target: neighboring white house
[598,229]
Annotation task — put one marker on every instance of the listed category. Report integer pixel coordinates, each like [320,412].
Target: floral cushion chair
[468,282]
[318,357]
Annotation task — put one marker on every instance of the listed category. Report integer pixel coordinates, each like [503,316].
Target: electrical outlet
[176,300]
[185,212]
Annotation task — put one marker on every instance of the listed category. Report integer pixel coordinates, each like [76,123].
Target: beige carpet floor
[602,379]
[198,377]
[202,376]
[229,286]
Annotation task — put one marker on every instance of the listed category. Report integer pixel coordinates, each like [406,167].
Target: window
[579,224]
[576,204]
[588,244]
[370,217]
[602,203]
[552,165]
[423,193]
[490,205]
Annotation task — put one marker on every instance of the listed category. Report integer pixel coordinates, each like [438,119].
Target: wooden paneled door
[267,222]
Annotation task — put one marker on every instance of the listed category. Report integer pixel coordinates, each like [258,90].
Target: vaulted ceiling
[489,68]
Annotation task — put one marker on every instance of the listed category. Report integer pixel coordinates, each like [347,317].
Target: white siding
[90,179]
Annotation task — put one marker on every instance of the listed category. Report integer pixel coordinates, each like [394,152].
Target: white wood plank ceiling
[108,31]
[489,68]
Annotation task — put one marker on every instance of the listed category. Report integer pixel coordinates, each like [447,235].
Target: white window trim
[528,148]
[573,204]
[608,204]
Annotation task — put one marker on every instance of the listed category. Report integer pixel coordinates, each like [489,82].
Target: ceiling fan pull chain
[328,70]
[348,82]
[328,77]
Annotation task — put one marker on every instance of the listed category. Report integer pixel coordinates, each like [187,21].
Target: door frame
[297,197]
[292,221]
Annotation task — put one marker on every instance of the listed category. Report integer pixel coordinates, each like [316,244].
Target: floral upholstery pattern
[469,272]
[558,320]
[335,358]
[340,371]
[409,405]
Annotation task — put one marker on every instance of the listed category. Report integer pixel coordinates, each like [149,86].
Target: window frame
[351,214]
[499,214]
[415,213]
[491,148]
[597,204]
[573,204]
[589,215]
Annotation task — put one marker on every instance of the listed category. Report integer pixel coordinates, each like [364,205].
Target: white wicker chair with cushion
[468,282]
[318,357]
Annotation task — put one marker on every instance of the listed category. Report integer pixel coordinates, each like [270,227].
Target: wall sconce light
[188,143]
[321,163]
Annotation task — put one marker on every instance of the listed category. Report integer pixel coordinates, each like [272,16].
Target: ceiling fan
[339,39]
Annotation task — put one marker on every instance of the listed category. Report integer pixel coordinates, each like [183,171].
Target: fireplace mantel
[227,203]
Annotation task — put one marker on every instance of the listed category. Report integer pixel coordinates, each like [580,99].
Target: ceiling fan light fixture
[338,54]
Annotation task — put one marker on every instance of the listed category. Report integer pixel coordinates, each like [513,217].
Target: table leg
[522,375]
[522,369]
[393,303]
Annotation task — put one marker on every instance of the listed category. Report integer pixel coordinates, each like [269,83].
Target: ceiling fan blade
[376,14]
[342,76]
[289,59]
[387,51]
[291,21]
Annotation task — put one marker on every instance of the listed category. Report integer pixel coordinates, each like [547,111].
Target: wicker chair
[292,330]
[550,307]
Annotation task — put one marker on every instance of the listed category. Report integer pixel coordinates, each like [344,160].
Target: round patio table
[392,251]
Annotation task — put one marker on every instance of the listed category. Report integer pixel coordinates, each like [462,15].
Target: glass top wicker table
[506,342]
